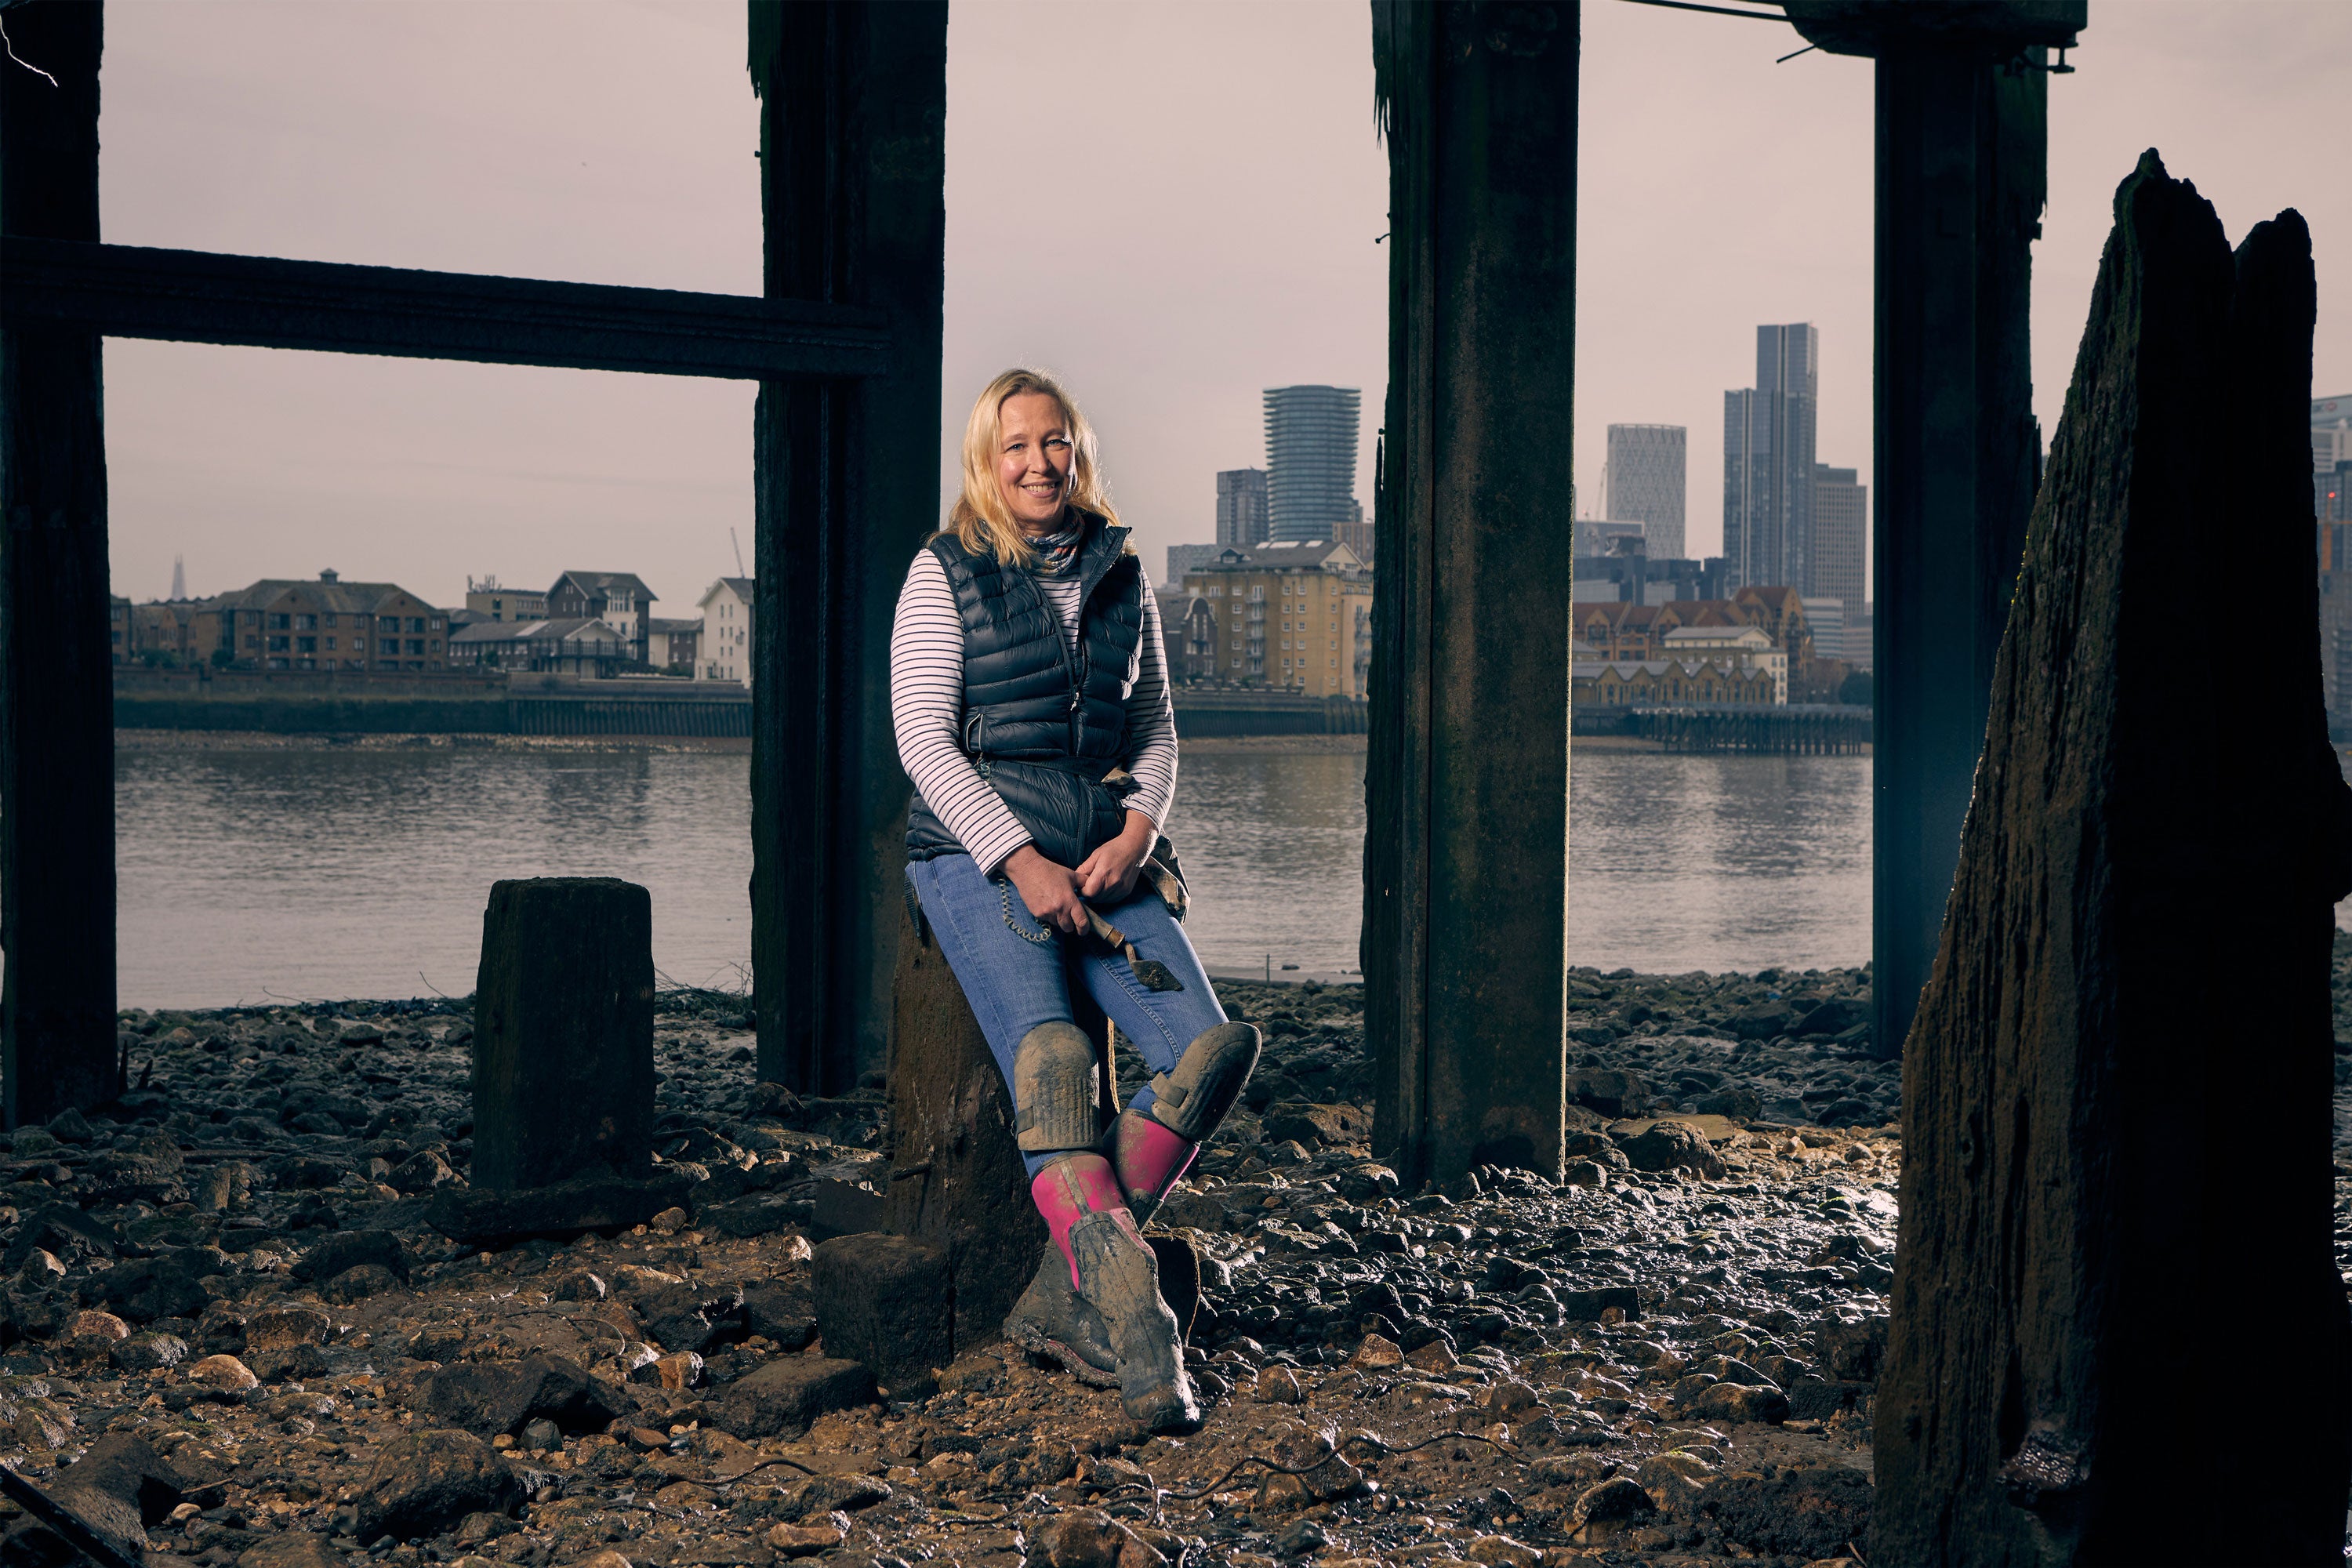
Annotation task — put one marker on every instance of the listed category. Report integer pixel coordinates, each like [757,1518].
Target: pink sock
[1149,1159]
[1067,1190]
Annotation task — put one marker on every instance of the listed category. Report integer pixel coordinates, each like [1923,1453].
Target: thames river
[312,874]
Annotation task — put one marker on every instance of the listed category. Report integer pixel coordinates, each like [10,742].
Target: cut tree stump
[956,1177]
[2118,1333]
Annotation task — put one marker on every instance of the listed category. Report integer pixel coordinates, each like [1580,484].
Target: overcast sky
[1174,205]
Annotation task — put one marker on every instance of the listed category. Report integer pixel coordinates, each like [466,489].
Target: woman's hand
[1108,875]
[1050,890]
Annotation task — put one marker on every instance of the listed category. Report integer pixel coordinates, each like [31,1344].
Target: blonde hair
[981,521]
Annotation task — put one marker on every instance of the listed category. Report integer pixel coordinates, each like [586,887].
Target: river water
[344,872]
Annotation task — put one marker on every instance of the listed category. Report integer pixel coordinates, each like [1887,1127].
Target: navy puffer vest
[1045,725]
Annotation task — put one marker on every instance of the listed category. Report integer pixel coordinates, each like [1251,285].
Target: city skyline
[474,138]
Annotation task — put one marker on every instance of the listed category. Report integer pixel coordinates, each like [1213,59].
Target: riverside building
[1285,615]
[326,623]
[1310,459]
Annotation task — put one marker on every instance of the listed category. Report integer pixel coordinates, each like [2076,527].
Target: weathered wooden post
[563,1066]
[57,691]
[2143,887]
[852,160]
[1466,852]
[1962,176]
[564,1032]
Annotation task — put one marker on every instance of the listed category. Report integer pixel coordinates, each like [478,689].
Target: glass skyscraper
[1769,433]
[1310,460]
[1646,466]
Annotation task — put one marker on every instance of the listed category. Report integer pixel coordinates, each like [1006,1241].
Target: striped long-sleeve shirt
[927,710]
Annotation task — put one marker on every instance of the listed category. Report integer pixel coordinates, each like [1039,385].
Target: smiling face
[1034,454]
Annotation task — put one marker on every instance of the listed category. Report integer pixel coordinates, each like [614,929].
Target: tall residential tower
[1310,459]
[1767,461]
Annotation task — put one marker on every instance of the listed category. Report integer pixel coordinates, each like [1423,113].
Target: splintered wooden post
[57,715]
[564,1032]
[958,1179]
[2144,889]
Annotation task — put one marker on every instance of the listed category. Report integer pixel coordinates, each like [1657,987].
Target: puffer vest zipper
[1044,723]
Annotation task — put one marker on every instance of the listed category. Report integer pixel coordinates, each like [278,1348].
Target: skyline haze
[1224,205]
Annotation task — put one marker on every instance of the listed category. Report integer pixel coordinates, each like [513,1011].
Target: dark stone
[781,1310]
[169,1286]
[360,1283]
[1316,1126]
[563,1034]
[487,1398]
[424,1482]
[1585,1305]
[1608,1091]
[2064,1219]
[121,1466]
[150,1352]
[824,1494]
[293,1548]
[1799,1513]
[1763,1021]
[760,1214]
[480,1216]
[1739,1104]
[1665,1145]
[1851,1348]
[1818,1399]
[883,1302]
[61,1229]
[1834,1016]
[331,1255]
[784,1396]
[287,1364]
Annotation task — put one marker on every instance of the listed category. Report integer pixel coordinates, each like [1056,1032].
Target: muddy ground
[224,1289]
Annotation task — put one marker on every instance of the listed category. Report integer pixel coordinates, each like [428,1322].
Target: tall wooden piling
[2144,896]
[1466,852]
[56,718]
[853,117]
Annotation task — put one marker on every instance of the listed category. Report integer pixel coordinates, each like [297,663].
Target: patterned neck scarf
[1057,553]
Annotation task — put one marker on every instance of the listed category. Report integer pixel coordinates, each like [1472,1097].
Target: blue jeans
[1017,974]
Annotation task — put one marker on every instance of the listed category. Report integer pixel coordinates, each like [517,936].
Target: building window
[280,645]
[281,623]
[306,623]
[306,645]
[416,646]
[387,622]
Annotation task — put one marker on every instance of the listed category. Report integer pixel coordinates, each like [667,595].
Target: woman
[1030,693]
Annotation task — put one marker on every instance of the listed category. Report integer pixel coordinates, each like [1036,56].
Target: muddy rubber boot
[1053,1320]
[1118,1276]
[1115,1272]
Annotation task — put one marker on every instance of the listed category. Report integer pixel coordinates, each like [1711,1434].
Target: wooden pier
[1794,731]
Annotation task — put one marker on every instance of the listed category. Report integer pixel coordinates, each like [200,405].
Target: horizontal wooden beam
[267,302]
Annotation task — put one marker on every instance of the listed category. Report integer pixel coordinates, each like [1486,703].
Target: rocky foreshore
[233,1334]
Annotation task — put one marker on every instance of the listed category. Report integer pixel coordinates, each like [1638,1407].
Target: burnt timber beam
[267,302]
[1466,852]
[852,161]
[56,702]
[1962,176]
